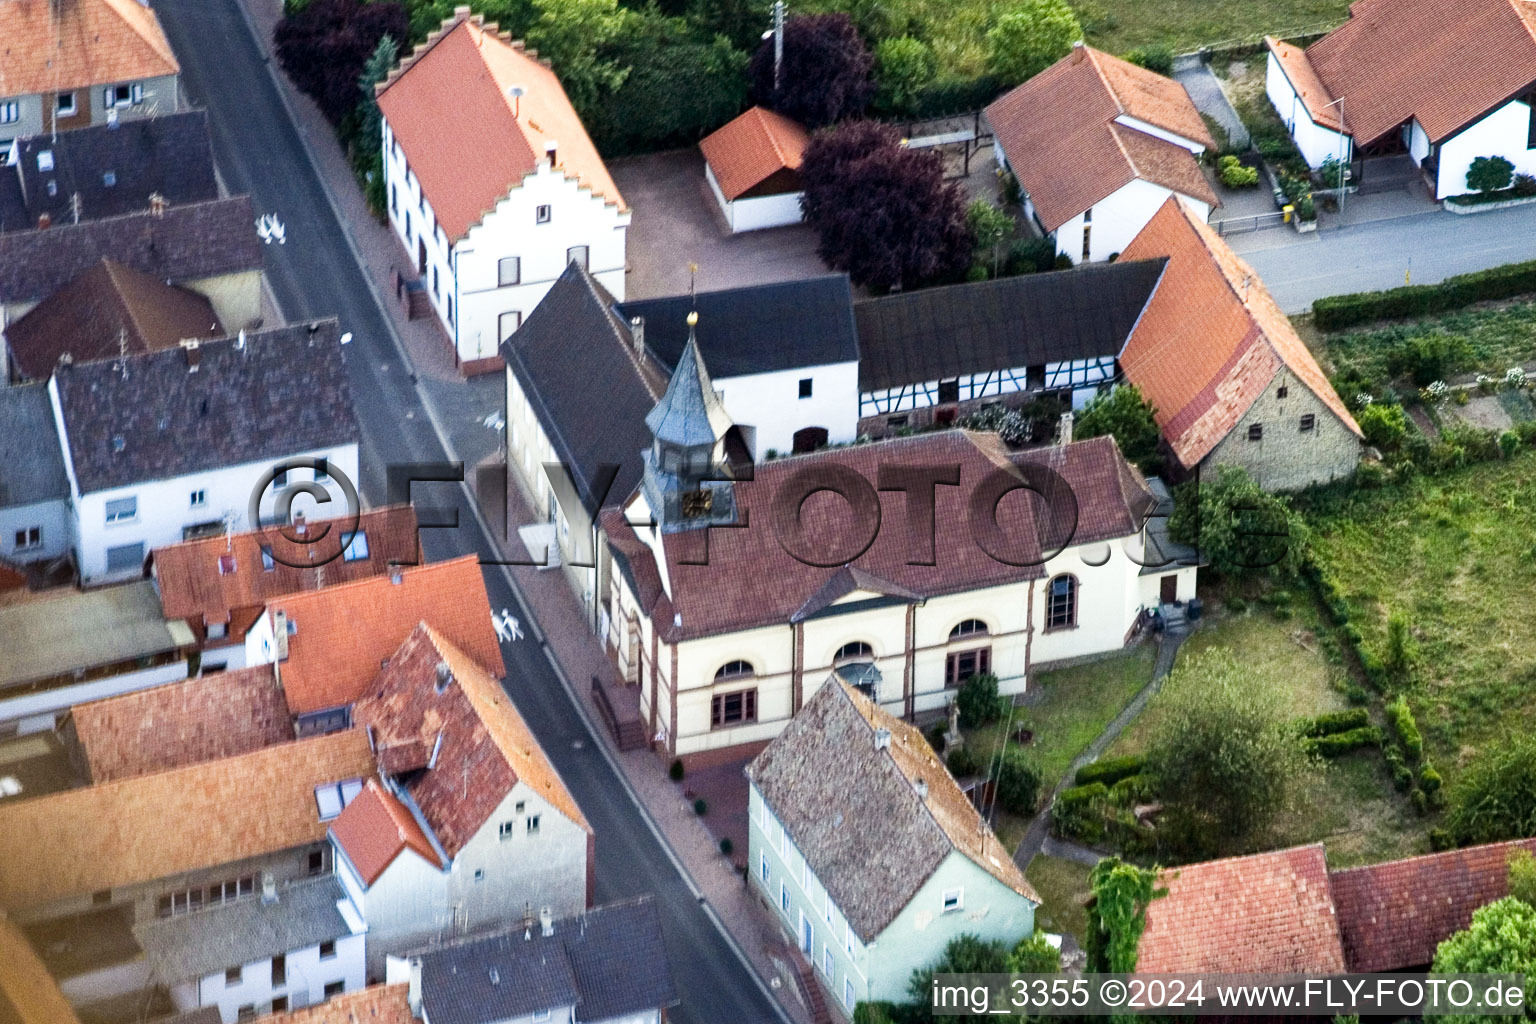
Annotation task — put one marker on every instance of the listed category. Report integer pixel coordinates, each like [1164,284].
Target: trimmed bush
[1153,57]
[1079,812]
[1110,770]
[1525,185]
[1018,783]
[1339,743]
[726,846]
[701,807]
[1429,779]
[1336,312]
[1490,174]
[676,771]
[1333,722]
[1420,801]
[1235,175]
[978,700]
[1405,728]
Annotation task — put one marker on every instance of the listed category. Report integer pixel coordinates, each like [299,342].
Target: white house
[493,185]
[1445,83]
[732,599]
[167,445]
[752,165]
[1097,145]
[470,824]
[294,946]
[867,852]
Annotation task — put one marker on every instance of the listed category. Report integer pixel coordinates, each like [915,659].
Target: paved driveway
[677,221]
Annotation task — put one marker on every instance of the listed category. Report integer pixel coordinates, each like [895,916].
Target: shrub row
[1339,311]
[1335,722]
[1110,770]
[1405,728]
[1079,812]
[1339,743]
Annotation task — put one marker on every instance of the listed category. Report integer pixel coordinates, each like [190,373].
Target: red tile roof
[1211,338]
[376,1004]
[466,139]
[1322,106]
[1445,64]
[1060,133]
[750,580]
[185,819]
[1270,912]
[50,46]
[1394,915]
[751,148]
[375,828]
[342,634]
[197,583]
[203,719]
[481,745]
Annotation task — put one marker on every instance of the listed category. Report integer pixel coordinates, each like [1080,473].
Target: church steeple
[687,480]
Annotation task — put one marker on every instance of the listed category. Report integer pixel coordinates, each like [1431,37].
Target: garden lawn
[1070,707]
[1455,554]
[1063,886]
[1350,804]
[1489,340]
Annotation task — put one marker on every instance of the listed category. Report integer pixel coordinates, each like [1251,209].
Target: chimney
[396,577]
[637,332]
[546,922]
[268,887]
[922,789]
[1066,428]
[192,347]
[156,204]
[280,635]
[1078,52]
[240,340]
[882,739]
[299,526]
[43,221]
[551,149]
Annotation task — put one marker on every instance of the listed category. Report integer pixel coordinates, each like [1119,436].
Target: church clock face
[697,503]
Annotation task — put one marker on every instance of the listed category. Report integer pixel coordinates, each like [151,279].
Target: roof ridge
[763,126]
[1526,843]
[1098,69]
[139,30]
[1317,845]
[334,588]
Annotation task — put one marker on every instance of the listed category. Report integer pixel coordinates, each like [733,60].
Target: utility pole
[778,44]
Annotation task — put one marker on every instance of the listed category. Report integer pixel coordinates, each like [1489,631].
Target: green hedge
[1405,728]
[1335,722]
[1110,770]
[1079,812]
[1335,744]
[1339,311]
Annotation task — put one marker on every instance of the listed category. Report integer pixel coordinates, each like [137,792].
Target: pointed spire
[690,414]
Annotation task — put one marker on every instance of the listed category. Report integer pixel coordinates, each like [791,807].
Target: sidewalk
[460,407]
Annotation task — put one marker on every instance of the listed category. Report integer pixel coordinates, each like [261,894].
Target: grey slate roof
[589,389]
[112,168]
[757,329]
[31,461]
[854,812]
[281,393]
[938,333]
[216,938]
[690,414]
[607,962]
[185,243]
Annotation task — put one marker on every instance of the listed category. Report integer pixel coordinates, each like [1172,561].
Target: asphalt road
[1379,254]
[258,151]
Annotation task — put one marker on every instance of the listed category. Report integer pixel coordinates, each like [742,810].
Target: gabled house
[85,62]
[493,184]
[106,171]
[1097,145]
[732,597]
[604,966]
[108,310]
[219,585]
[168,445]
[1445,83]
[938,354]
[469,824]
[327,644]
[1230,381]
[869,854]
[752,165]
[209,247]
[34,492]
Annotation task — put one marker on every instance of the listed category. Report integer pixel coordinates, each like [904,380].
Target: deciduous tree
[883,212]
[325,46]
[1236,525]
[1030,37]
[1500,940]
[1126,416]
[825,76]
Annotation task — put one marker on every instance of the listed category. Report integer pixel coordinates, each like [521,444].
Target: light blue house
[869,853]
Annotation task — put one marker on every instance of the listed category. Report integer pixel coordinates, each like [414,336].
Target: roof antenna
[693,273]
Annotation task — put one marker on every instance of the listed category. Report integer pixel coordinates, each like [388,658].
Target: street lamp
[1342,162]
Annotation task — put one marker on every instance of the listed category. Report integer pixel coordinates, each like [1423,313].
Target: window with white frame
[357,547]
[198,498]
[122,510]
[218,630]
[331,799]
[762,864]
[542,214]
[828,965]
[579,254]
[507,323]
[533,824]
[954,899]
[122,95]
[848,996]
[509,270]
[784,896]
[65,104]
[506,830]
[123,557]
[29,537]
[10,112]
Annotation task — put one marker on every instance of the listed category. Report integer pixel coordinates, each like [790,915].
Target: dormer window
[268,563]
[357,548]
[332,798]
